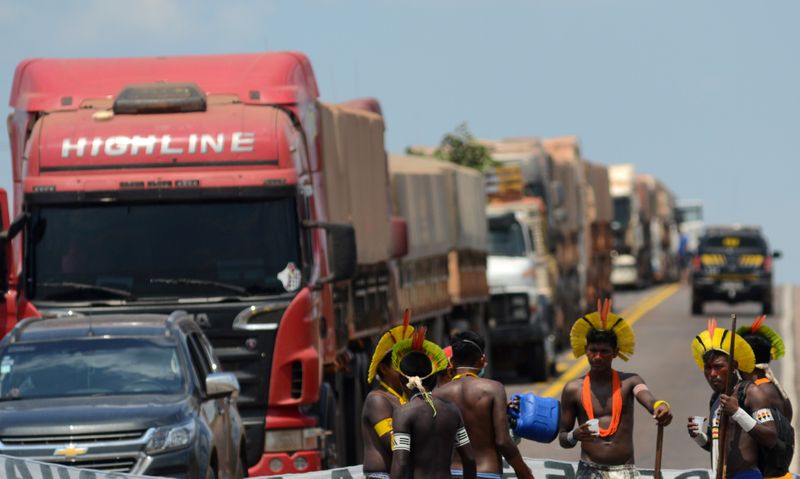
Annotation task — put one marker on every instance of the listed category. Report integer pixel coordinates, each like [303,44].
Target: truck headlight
[168,438]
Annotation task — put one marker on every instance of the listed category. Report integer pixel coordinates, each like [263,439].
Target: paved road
[664,330]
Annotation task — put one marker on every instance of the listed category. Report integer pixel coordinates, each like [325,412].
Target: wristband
[571,438]
[701,439]
[660,402]
[744,420]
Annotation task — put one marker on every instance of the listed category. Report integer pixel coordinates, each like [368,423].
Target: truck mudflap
[292,444]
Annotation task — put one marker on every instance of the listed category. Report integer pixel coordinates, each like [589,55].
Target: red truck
[221,186]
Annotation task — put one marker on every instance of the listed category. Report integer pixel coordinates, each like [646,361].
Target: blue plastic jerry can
[537,418]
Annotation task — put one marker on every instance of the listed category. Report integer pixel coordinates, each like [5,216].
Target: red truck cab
[186,183]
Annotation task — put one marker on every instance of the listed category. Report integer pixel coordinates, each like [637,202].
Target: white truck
[628,262]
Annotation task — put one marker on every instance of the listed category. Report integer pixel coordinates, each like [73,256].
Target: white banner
[15,468]
[541,468]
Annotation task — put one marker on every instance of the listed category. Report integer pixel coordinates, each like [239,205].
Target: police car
[733,264]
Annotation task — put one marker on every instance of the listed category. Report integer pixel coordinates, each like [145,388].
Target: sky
[703,95]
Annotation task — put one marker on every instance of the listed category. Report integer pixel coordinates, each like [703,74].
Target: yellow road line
[631,315]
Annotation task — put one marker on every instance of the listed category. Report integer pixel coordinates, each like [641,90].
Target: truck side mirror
[399,234]
[777,254]
[342,253]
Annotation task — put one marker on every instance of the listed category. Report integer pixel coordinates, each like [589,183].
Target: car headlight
[168,438]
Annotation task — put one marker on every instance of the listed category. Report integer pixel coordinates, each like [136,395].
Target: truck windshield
[505,239]
[151,250]
[91,367]
[622,212]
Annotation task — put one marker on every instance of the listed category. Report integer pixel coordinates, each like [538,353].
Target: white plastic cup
[699,421]
[594,426]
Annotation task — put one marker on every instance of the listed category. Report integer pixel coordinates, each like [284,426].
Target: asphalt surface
[664,330]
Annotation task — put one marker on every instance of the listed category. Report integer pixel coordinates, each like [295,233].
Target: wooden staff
[723,418]
[659,450]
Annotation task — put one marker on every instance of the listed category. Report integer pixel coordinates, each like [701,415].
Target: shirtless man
[710,349]
[376,415]
[427,428]
[767,345]
[482,403]
[606,395]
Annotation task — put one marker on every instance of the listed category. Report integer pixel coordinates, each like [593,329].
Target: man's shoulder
[630,377]
[377,397]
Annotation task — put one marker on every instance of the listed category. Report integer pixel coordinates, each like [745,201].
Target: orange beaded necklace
[616,402]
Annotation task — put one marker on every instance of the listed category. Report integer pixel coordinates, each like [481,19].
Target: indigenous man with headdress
[376,415]
[711,352]
[774,457]
[767,345]
[483,404]
[427,428]
[606,396]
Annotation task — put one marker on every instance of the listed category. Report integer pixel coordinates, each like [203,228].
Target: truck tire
[355,390]
[330,420]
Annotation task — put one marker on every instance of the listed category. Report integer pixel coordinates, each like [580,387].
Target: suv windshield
[141,250]
[91,367]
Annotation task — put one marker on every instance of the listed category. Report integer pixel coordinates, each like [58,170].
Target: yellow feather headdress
[603,319]
[718,339]
[387,342]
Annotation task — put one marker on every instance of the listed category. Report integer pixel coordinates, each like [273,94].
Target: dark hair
[712,354]
[417,363]
[761,347]
[467,348]
[387,359]
[600,336]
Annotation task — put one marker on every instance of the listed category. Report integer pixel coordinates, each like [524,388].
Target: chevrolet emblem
[70,451]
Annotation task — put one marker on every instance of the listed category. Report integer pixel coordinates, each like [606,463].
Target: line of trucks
[222,186]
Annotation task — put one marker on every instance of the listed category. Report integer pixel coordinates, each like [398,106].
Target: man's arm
[464,449]
[378,412]
[569,437]
[661,412]
[401,454]
[761,425]
[502,439]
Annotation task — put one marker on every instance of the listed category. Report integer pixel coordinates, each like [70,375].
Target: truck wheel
[353,398]
[329,420]
[697,307]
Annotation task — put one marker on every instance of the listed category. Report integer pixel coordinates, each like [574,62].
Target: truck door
[7,270]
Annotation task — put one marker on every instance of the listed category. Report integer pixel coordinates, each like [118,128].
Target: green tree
[460,147]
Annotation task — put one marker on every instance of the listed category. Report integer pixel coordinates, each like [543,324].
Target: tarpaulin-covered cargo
[646,193]
[565,152]
[356,177]
[421,193]
[597,178]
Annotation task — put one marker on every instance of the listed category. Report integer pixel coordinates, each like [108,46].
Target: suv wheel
[766,306]
[697,307]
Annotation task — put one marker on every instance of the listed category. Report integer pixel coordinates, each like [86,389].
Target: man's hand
[692,427]
[583,433]
[728,404]
[663,414]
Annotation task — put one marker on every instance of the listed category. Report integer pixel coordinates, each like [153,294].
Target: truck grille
[116,464]
[71,438]
[510,308]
